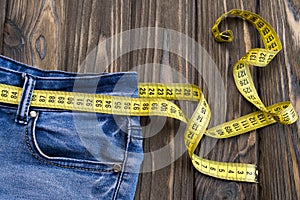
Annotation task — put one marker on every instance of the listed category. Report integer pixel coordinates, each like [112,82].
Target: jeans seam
[133,128]
[55,164]
[119,181]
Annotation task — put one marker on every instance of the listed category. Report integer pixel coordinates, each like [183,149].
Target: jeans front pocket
[87,141]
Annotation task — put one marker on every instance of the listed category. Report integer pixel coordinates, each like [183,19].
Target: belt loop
[23,108]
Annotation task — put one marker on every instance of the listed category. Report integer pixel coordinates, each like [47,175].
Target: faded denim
[60,154]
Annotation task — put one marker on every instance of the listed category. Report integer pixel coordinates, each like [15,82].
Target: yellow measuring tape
[154,99]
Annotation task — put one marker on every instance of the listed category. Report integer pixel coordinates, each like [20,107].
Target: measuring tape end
[225,36]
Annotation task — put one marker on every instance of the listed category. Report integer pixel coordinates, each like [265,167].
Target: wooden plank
[242,148]
[152,181]
[279,145]
[33,33]
[2,19]
[165,183]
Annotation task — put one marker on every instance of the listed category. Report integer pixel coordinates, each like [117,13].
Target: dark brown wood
[69,35]
[242,148]
[2,20]
[280,145]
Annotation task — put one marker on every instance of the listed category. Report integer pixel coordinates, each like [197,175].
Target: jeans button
[117,168]
[32,114]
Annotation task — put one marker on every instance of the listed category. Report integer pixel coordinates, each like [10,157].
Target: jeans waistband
[120,83]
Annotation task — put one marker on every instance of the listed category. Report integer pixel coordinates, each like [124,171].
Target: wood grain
[238,149]
[2,20]
[77,36]
[279,145]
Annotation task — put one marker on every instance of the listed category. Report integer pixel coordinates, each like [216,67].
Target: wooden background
[57,34]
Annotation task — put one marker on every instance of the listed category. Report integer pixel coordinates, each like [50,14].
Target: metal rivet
[32,114]
[117,168]
[23,76]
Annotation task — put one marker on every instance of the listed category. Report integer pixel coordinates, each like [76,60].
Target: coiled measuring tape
[154,99]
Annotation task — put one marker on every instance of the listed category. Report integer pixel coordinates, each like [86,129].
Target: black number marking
[89,102]
[142,91]
[169,92]
[61,100]
[241,74]
[4,93]
[14,95]
[42,99]
[160,91]
[70,100]
[51,99]
[151,91]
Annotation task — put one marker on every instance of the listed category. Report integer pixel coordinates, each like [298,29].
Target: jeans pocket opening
[60,161]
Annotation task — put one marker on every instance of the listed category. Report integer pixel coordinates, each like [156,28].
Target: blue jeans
[61,154]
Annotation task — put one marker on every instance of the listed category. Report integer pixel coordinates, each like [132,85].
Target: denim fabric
[60,154]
